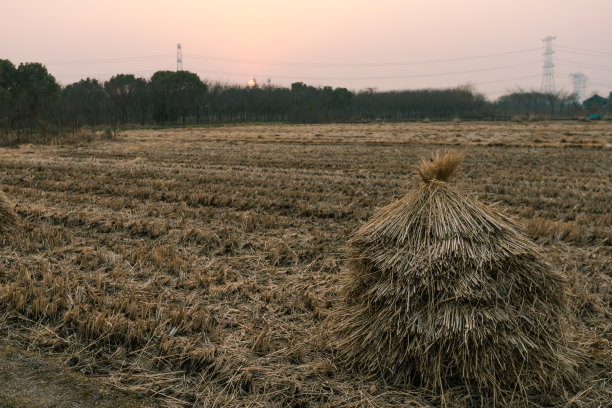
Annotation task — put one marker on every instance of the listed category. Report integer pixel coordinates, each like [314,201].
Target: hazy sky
[495,45]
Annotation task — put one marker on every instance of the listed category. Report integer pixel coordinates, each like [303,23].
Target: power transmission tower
[179,57]
[548,74]
[579,82]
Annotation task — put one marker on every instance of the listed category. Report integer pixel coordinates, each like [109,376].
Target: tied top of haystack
[440,167]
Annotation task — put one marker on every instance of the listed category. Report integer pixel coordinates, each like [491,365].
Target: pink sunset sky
[494,45]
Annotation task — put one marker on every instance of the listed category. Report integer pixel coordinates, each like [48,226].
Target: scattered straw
[9,219]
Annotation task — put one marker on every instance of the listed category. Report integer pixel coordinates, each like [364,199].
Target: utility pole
[179,57]
[548,74]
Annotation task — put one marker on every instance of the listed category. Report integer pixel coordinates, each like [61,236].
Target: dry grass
[198,266]
[495,134]
[9,219]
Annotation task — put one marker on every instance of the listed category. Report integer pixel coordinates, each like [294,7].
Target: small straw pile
[444,291]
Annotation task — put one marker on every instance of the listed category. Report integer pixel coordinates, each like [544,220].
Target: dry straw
[9,219]
[444,292]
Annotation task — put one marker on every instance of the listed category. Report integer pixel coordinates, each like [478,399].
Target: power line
[587,54]
[99,75]
[314,65]
[286,63]
[608,80]
[450,73]
[508,80]
[110,60]
[440,74]
[583,51]
[581,64]
[354,65]
[601,83]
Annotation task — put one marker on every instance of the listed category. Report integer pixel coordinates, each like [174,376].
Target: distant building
[595,104]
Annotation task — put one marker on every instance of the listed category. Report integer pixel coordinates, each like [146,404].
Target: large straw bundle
[445,291]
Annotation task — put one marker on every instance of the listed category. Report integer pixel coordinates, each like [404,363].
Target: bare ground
[31,379]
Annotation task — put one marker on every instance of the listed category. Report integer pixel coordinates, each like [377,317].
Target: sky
[495,46]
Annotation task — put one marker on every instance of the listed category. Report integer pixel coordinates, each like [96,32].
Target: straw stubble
[9,220]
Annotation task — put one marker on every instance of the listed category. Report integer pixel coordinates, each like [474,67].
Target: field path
[34,380]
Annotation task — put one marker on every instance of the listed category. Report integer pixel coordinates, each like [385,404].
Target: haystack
[444,291]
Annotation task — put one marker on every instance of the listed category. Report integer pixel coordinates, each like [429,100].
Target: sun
[252,83]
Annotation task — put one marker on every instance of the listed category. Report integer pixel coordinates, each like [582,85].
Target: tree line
[32,102]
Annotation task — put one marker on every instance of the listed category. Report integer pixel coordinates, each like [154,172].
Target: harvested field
[198,266]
